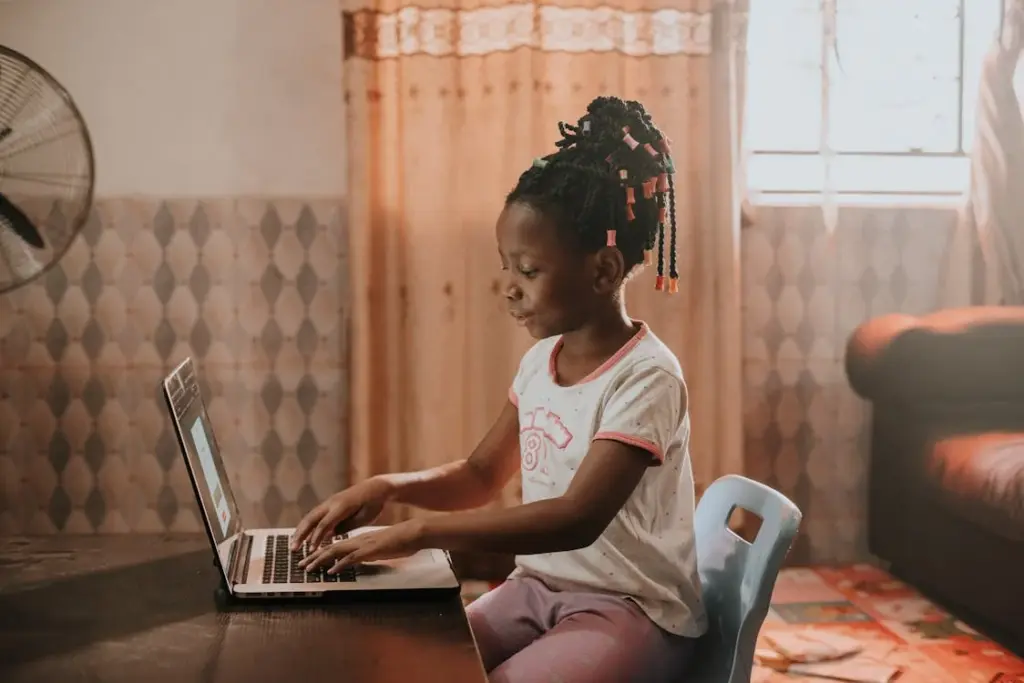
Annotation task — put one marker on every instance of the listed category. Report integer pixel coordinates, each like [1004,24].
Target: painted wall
[197,98]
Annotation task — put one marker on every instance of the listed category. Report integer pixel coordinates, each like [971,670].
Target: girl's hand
[354,507]
[399,540]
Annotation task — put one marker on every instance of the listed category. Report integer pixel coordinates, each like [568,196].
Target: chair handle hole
[743,523]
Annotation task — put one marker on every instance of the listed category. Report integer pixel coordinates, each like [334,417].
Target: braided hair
[610,183]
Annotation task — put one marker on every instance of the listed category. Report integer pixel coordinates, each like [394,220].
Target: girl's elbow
[584,527]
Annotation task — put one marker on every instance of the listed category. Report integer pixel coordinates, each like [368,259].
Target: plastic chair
[737,577]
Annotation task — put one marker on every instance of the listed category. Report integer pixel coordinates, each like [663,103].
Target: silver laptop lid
[203,462]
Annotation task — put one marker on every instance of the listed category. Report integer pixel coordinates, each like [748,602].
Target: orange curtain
[446,104]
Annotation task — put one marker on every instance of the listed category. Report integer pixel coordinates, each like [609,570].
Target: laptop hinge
[238,564]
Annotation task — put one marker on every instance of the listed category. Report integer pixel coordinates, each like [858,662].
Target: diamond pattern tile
[254,289]
[805,431]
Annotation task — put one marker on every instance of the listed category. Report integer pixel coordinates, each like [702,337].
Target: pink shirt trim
[631,440]
[512,397]
[605,366]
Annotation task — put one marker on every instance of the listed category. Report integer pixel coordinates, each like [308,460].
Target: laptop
[258,563]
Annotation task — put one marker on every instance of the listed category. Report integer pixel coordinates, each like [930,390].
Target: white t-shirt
[647,552]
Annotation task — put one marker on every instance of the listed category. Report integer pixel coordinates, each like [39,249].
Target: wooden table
[140,608]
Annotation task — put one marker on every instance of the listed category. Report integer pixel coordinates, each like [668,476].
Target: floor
[889,619]
[892,622]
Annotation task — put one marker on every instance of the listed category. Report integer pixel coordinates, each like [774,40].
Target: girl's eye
[527,272]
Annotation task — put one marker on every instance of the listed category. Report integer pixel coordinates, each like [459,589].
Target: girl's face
[548,284]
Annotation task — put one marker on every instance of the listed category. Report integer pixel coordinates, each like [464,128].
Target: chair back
[737,577]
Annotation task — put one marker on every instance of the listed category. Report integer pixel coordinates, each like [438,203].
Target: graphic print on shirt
[540,430]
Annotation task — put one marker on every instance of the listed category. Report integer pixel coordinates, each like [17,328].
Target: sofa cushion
[981,477]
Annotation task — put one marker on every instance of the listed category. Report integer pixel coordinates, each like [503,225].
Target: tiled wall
[804,292]
[254,289]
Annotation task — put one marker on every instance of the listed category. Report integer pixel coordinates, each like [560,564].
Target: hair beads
[660,186]
[609,183]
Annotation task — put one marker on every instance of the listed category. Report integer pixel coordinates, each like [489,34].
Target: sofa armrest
[956,356]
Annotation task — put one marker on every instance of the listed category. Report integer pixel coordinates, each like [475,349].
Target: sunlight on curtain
[447,103]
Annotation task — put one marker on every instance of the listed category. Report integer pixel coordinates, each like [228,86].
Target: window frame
[768,162]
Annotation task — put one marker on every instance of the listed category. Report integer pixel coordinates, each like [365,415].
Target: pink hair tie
[665,147]
[630,198]
[628,139]
[663,182]
[611,238]
[662,215]
[650,149]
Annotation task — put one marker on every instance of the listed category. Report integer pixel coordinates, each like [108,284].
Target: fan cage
[83,200]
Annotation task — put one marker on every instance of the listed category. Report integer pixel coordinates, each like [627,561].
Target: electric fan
[47,170]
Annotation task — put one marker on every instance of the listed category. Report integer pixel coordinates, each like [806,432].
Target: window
[900,80]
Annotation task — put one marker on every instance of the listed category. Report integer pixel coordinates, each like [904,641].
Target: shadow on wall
[254,289]
[804,292]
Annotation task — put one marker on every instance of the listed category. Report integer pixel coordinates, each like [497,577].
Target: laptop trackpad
[375,569]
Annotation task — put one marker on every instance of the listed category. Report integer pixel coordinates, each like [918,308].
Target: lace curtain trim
[462,33]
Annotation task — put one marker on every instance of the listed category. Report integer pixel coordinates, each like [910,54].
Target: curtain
[447,103]
[985,257]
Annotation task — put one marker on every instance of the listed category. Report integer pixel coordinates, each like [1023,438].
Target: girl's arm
[601,486]
[468,483]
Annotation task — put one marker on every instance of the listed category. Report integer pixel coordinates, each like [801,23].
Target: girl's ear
[609,270]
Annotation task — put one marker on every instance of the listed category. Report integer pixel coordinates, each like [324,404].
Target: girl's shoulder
[651,355]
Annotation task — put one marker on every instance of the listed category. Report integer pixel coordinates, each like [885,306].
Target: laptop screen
[211,478]
[202,457]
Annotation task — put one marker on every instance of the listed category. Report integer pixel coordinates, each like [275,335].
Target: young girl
[606,586]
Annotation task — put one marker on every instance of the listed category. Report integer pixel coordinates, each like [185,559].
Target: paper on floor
[812,645]
[853,670]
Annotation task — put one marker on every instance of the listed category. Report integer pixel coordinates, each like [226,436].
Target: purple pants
[529,633]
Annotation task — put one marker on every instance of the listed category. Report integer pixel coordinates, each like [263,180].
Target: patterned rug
[890,620]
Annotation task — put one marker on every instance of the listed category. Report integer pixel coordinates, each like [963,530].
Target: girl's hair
[610,183]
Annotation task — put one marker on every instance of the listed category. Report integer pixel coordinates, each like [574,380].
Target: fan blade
[20,223]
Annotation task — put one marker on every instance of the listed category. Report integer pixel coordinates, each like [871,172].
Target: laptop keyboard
[281,564]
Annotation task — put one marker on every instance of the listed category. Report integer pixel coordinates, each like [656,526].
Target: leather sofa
[946,481]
